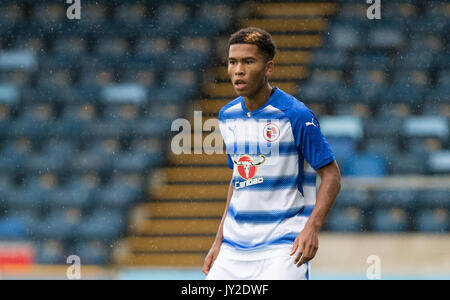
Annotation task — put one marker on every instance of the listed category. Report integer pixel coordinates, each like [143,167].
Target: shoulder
[294,109]
[229,108]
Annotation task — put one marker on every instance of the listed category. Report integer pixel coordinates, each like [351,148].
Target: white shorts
[275,268]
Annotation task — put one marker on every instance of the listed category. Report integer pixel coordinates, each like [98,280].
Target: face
[248,69]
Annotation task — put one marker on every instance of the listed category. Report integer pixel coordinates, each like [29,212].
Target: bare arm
[307,241]
[215,248]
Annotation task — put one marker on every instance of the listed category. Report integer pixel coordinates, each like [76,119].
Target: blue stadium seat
[434,198]
[124,93]
[97,158]
[346,220]
[383,147]
[171,17]
[18,60]
[5,120]
[36,192]
[185,81]
[426,126]
[439,162]
[104,224]
[390,220]
[366,165]
[438,95]
[92,253]
[343,147]
[14,154]
[415,59]
[12,228]
[372,61]
[78,193]
[318,92]
[36,121]
[192,53]
[328,58]
[104,129]
[395,198]
[74,122]
[345,36]
[436,221]
[118,195]
[50,252]
[59,224]
[353,198]
[342,126]
[386,37]
[407,163]
[402,93]
[9,94]
[210,20]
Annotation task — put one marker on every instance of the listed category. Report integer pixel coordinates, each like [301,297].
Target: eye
[232,62]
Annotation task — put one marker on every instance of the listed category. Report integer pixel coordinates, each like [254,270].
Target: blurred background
[86,108]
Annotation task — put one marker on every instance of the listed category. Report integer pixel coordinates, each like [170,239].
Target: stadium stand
[86,108]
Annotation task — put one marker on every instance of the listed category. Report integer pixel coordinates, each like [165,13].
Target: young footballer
[275,147]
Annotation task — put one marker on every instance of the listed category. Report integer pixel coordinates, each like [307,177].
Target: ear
[269,68]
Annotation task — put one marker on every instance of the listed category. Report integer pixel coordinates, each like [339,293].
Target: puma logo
[311,123]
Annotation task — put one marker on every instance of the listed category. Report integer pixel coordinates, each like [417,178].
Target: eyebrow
[244,58]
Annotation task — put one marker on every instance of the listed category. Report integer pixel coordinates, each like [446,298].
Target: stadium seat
[12,228]
[342,126]
[104,224]
[50,252]
[92,253]
[434,198]
[394,198]
[60,224]
[346,220]
[386,37]
[439,162]
[426,126]
[353,198]
[345,36]
[390,220]
[436,221]
[9,94]
[408,163]
[366,165]
[18,60]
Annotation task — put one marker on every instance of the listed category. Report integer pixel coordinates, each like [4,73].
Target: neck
[260,98]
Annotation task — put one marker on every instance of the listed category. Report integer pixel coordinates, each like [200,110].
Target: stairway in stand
[178,224]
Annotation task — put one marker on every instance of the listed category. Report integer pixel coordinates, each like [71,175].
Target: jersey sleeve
[310,140]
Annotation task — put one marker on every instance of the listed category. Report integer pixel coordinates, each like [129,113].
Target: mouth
[240,85]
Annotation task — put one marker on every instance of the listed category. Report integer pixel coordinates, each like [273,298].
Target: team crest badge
[271,132]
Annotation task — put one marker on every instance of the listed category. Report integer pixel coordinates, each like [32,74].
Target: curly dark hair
[255,36]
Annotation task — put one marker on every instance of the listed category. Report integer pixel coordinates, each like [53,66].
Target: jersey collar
[259,109]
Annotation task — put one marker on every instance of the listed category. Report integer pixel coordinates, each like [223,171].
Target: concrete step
[197,174]
[177,226]
[291,9]
[288,25]
[199,159]
[190,192]
[186,209]
[170,244]
[163,259]
[288,41]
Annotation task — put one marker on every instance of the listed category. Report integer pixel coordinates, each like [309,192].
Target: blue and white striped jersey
[274,152]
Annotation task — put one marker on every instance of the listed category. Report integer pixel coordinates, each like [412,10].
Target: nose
[239,69]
